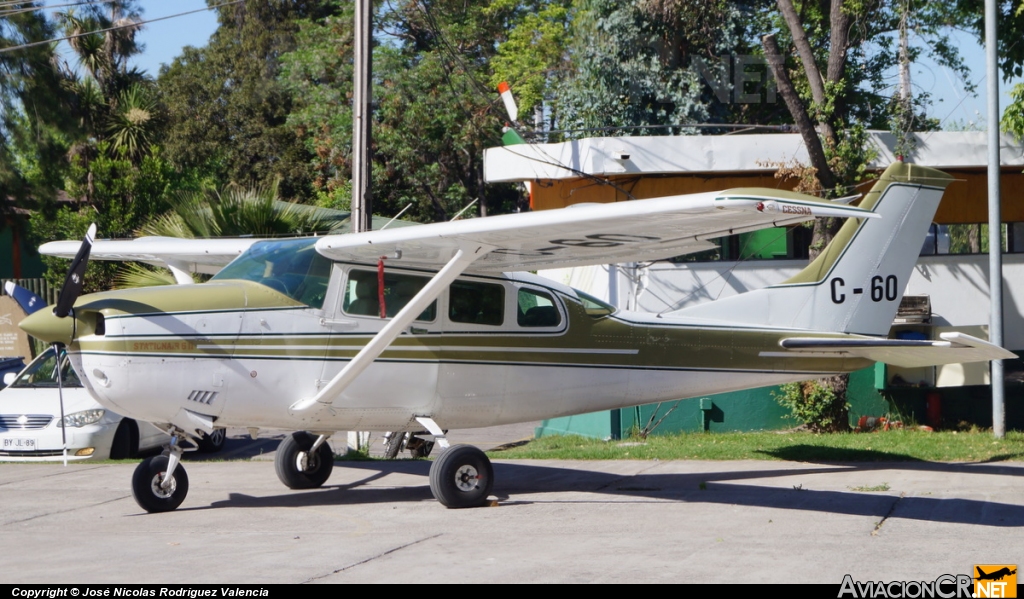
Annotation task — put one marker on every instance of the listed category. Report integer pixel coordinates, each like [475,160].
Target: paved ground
[554,521]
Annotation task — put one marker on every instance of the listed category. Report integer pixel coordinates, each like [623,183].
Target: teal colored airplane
[440,327]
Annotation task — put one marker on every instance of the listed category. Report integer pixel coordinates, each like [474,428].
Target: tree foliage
[435,108]
[227,112]
[122,193]
[632,64]
[33,113]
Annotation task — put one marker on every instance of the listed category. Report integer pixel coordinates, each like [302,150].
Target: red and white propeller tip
[509,100]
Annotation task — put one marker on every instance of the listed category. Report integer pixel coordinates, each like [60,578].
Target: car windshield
[289,266]
[42,372]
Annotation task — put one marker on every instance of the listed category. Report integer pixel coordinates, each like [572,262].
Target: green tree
[632,64]
[33,114]
[831,90]
[227,112]
[122,193]
[435,108]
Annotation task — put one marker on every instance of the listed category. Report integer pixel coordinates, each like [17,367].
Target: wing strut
[463,258]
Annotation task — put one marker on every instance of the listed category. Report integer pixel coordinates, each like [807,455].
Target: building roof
[700,154]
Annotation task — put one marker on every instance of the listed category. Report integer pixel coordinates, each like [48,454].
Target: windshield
[290,266]
[42,372]
[594,306]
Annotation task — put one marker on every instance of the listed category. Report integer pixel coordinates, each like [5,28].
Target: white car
[30,423]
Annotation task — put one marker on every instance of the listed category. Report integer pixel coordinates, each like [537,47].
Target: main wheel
[393,444]
[146,487]
[213,442]
[297,467]
[461,477]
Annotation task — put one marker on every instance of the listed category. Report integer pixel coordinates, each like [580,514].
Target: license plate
[19,444]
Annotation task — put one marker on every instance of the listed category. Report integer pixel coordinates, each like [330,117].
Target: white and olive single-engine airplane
[436,327]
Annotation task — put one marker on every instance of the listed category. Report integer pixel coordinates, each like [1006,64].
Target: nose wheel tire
[148,490]
[461,477]
[297,467]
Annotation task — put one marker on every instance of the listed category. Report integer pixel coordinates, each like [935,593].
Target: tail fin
[855,285]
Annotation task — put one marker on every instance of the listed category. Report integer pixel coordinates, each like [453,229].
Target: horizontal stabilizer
[954,348]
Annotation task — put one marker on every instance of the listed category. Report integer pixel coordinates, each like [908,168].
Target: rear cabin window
[362,296]
[537,309]
[471,302]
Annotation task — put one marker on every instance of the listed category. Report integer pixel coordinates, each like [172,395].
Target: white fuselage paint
[244,368]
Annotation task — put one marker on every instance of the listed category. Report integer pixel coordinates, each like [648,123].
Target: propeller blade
[76,274]
[510,102]
[28,301]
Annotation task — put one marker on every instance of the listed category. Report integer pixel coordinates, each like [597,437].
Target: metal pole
[995,229]
[362,101]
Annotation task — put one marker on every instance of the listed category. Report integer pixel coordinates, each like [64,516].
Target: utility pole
[995,227]
[362,106]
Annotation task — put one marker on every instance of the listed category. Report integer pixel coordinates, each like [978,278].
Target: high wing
[181,256]
[907,353]
[587,234]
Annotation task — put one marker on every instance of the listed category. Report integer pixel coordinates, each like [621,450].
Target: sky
[165,39]
[951,105]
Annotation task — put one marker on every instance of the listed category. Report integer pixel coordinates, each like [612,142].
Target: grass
[873,489]
[897,445]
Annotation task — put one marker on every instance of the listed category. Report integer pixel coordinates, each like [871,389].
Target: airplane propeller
[69,292]
[28,301]
[72,287]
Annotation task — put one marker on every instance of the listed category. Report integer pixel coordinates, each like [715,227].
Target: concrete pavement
[555,521]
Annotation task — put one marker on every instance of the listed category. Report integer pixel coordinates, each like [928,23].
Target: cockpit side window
[594,307]
[362,296]
[537,309]
[291,267]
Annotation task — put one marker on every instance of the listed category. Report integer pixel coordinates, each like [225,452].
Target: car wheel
[126,440]
[212,442]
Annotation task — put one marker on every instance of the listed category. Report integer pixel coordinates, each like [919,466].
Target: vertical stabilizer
[855,285]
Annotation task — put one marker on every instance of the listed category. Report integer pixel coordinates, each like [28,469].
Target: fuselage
[490,350]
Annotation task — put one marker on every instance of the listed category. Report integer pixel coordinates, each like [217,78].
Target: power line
[10,9]
[129,25]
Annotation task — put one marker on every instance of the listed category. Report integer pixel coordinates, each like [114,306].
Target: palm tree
[233,212]
[111,101]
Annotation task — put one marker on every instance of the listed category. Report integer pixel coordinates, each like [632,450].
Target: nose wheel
[160,483]
[461,477]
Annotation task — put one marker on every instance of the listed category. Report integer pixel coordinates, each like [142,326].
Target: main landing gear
[303,461]
[461,477]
